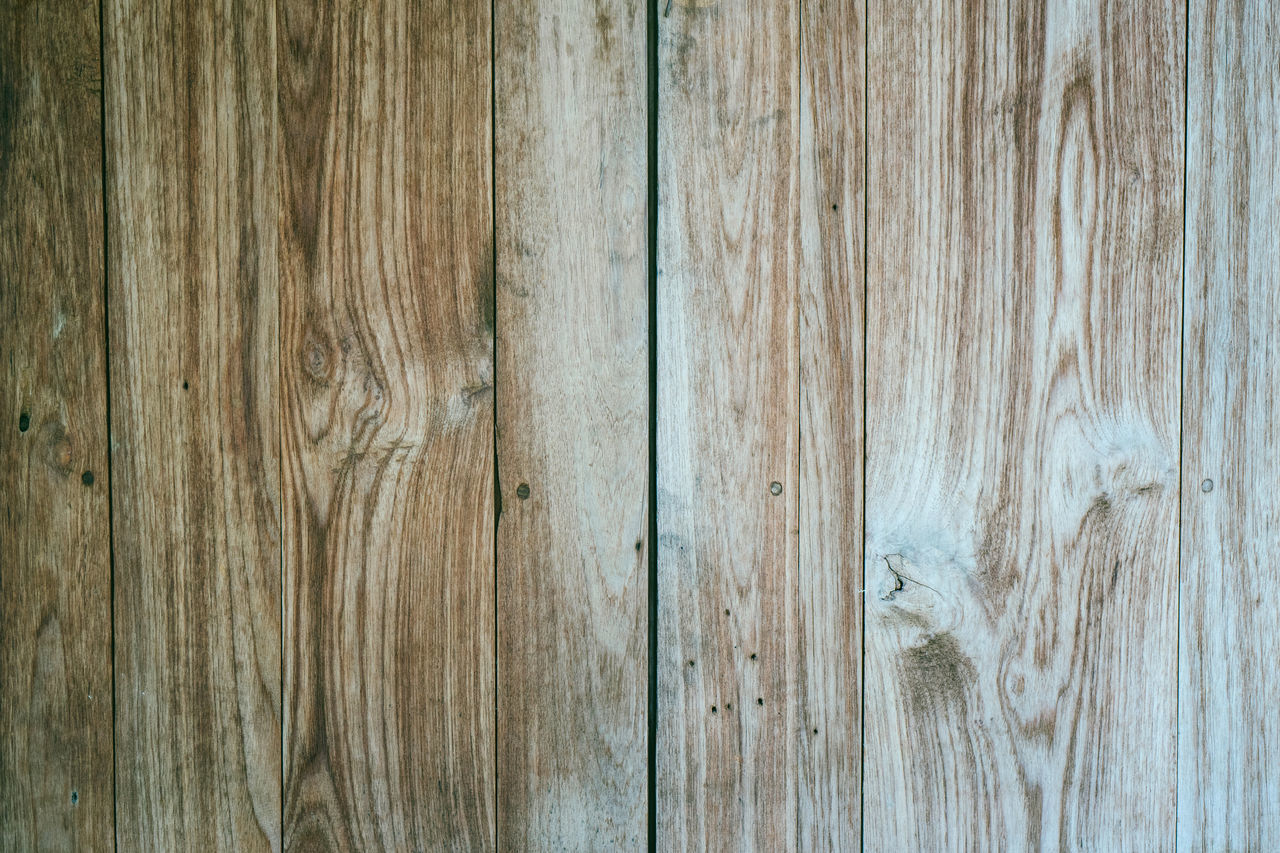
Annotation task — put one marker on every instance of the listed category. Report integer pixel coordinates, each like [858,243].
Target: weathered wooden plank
[1229,728]
[732,723]
[1025,215]
[573,388]
[831,293]
[193,339]
[55,563]
[387,371]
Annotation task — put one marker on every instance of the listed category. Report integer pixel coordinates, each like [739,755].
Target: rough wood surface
[572,307]
[1229,728]
[732,724]
[831,294]
[193,342]
[386,361]
[55,569]
[1024,247]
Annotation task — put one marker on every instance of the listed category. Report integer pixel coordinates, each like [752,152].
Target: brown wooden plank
[387,371]
[573,431]
[1025,215]
[1229,729]
[732,723]
[55,568]
[831,291]
[193,305]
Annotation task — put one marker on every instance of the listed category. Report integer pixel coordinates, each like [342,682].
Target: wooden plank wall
[1023,281]
[1229,732]
[332,416]
[55,559]
[573,414]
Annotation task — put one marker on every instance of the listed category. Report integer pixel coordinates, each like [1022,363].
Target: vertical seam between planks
[797,294]
[866,206]
[651,157]
[106,342]
[493,282]
[281,422]
[1182,343]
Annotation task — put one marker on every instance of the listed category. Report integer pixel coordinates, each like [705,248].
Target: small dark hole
[690,663]
[24,422]
[815,731]
[522,491]
[713,709]
[753,657]
[639,545]
[729,707]
[760,701]
[835,207]
[87,478]
[726,612]
[75,797]
[185,386]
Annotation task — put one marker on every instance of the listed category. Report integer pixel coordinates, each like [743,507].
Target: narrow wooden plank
[1229,728]
[732,723]
[193,306]
[573,429]
[386,262]
[55,568]
[1025,215]
[831,291]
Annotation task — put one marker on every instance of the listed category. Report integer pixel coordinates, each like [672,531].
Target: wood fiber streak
[1024,245]
[55,569]
[732,720]
[387,371]
[193,340]
[572,307]
[1229,729]
[832,194]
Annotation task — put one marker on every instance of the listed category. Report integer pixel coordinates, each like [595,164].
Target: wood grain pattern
[1229,731]
[732,724]
[1025,207]
[387,372]
[573,432]
[55,569]
[193,342]
[831,291]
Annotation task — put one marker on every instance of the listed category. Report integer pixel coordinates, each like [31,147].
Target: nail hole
[639,544]
[835,207]
[75,797]
[815,731]
[185,386]
[759,700]
[753,656]
[1206,486]
[87,478]
[24,422]
[522,491]
[729,706]
[713,709]
[726,611]
[690,663]
[775,487]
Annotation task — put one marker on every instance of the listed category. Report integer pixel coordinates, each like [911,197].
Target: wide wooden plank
[732,719]
[55,563]
[831,292]
[1024,245]
[573,430]
[386,359]
[193,332]
[1229,727]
